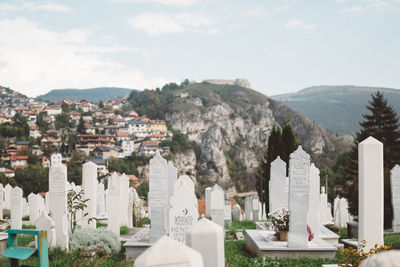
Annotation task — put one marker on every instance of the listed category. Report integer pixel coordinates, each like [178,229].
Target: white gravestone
[101,204]
[34,208]
[167,252]
[395,188]
[113,199]
[325,215]
[313,212]
[130,208]
[278,186]
[248,208]
[7,196]
[336,211]
[370,192]
[16,208]
[207,238]
[236,213]
[228,213]
[47,201]
[299,176]
[172,174]
[1,201]
[58,202]
[158,197]
[343,208]
[183,213]
[208,201]
[124,200]
[25,207]
[217,205]
[45,223]
[89,186]
[255,208]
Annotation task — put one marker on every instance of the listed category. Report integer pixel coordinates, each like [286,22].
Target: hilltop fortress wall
[241,82]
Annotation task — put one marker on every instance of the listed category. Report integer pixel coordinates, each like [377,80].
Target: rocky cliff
[231,123]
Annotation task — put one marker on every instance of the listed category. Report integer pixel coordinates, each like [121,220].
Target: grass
[123,230]
[343,233]
[25,218]
[392,239]
[100,224]
[59,257]
[236,256]
[242,225]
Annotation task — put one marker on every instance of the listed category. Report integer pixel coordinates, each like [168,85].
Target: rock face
[239,121]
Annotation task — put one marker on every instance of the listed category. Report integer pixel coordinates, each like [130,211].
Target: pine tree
[81,126]
[289,144]
[382,123]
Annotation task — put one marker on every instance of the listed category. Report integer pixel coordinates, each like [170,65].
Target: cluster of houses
[109,132]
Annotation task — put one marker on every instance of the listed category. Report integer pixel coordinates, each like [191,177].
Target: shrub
[352,257]
[101,241]
[123,230]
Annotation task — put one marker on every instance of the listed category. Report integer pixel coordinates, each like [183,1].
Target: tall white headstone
[256,208]
[89,186]
[248,209]
[217,205]
[167,252]
[228,213]
[395,188]
[236,213]
[34,208]
[183,212]
[16,208]
[370,192]
[313,212]
[58,202]
[25,207]
[172,174]
[158,197]
[130,208]
[299,177]
[278,186]
[325,214]
[113,202]
[124,200]
[208,201]
[101,203]
[343,208]
[207,238]
[7,196]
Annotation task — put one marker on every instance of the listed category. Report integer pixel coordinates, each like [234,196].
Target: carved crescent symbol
[185,212]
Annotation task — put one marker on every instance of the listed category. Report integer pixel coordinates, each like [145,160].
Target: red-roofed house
[19,162]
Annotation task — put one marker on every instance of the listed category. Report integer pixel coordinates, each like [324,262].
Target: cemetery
[106,223]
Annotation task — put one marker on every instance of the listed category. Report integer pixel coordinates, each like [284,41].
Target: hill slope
[337,108]
[230,124]
[92,94]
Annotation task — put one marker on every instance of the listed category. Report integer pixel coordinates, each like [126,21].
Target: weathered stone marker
[248,208]
[228,213]
[89,186]
[113,203]
[299,176]
[217,205]
[313,211]
[207,238]
[278,186]
[16,208]
[208,200]
[395,186]
[370,192]
[45,223]
[58,202]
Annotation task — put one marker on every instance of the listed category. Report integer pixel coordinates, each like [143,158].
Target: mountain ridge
[92,94]
[337,108]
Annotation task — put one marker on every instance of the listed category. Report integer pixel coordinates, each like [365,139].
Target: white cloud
[162,23]
[164,2]
[258,12]
[376,5]
[34,60]
[299,24]
[30,6]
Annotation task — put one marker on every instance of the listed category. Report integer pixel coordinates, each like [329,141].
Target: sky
[280,46]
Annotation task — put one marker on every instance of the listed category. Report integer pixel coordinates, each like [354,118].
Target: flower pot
[283,235]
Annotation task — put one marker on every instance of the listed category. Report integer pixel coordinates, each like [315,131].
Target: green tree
[101,104]
[63,121]
[81,126]
[289,143]
[41,123]
[65,107]
[382,123]
[34,179]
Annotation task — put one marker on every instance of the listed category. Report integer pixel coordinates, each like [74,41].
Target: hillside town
[98,131]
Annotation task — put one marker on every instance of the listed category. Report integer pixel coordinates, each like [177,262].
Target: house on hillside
[105,152]
[148,147]
[7,172]
[137,128]
[34,132]
[53,110]
[18,162]
[90,129]
[22,145]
